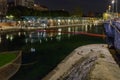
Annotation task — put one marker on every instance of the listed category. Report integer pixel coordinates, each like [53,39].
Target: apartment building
[3,7]
[26,3]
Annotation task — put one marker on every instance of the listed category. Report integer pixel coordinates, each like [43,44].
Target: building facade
[40,7]
[26,3]
[3,7]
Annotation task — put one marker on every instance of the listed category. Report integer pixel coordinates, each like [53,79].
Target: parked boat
[112,31]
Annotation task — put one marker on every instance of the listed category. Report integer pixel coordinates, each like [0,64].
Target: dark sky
[69,5]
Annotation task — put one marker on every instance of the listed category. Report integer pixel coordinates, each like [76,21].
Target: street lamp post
[109,8]
[114,7]
[113,1]
[117,8]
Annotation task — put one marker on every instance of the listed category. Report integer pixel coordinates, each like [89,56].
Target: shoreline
[64,68]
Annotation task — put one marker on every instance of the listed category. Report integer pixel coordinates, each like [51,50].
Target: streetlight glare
[109,8]
[113,1]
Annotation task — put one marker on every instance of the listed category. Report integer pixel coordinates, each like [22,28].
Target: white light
[29,21]
[7,36]
[59,20]
[90,25]
[11,37]
[40,41]
[59,30]
[58,38]
[51,38]
[86,27]
[0,39]
[46,39]
[38,34]
[44,34]
[19,33]
[30,35]
[24,33]
[113,1]
[26,40]
[69,29]
[59,33]
[68,20]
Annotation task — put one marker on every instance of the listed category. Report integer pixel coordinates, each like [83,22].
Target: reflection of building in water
[3,7]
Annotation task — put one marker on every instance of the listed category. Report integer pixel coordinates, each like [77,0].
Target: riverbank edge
[9,69]
[75,56]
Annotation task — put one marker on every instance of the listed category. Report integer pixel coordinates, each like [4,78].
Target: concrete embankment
[9,69]
[90,62]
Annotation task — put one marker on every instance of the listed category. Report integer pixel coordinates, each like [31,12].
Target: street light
[114,7]
[109,8]
[113,1]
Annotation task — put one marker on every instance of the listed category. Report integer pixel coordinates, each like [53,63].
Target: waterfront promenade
[5,29]
[91,62]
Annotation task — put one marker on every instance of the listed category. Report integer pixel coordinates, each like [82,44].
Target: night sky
[70,5]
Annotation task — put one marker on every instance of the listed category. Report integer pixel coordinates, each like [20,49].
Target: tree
[24,11]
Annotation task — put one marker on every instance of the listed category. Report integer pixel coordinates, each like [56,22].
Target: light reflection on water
[0,39]
[59,33]
[46,35]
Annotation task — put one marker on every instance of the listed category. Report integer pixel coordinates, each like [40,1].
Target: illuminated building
[3,7]
[26,3]
[40,7]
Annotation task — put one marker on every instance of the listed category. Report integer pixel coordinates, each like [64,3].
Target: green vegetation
[6,58]
[49,54]
[19,11]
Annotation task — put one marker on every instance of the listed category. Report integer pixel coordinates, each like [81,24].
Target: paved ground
[92,62]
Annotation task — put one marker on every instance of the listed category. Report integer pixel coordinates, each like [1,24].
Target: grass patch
[6,58]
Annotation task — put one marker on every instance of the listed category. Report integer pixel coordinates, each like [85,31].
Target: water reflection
[40,41]
[24,33]
[69,30]
[58,33]
[0,39]
[58,38]
[46,35]
[26,40]
[86,28]
[11,37]
[11,41]
[32,40]
[19,33]
[7,36]
[46,39]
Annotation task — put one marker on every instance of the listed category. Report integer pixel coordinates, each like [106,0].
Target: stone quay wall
[89,62]
[11,68]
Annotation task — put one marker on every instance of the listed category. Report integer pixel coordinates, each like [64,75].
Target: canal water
[44,49]
[15,40]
